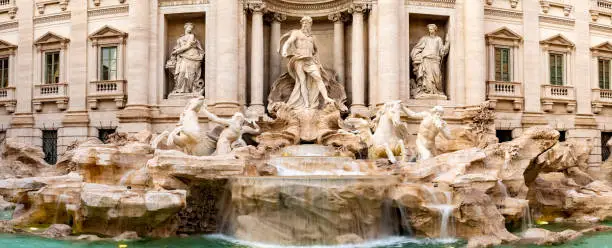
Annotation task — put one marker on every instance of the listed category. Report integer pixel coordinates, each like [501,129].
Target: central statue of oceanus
[306,85]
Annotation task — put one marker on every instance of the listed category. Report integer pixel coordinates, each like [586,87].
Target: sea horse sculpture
[389,133]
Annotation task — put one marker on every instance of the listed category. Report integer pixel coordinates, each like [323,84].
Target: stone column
[338,45]
[23,121]
[475,49]
[136,116]
[275,57]
[257,59]
[372,59]
[388,58]
[76,121]
[358,61]
[533,57]
[226,92]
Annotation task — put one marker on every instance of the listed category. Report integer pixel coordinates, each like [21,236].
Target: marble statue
[427,57]
[307,85]
[233,129]
[431,125]
[389,133]
[185,64]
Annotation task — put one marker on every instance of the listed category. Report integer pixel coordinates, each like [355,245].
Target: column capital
[275,17]
[359,8]
[338,17]
[256,7]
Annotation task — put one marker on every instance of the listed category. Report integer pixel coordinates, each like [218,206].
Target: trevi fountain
[308,173]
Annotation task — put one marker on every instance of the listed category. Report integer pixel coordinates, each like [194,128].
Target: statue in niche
[431,125]
[185,64]
[427,58]
[307,85]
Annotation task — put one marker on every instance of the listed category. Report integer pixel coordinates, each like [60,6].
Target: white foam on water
[385,242]
[284,171]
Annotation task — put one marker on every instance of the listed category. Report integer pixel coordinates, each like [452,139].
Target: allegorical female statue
[185,63]
[427,58]
[307,84]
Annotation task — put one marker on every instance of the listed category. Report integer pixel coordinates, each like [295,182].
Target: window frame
[5,72]
[509,63]
[562,67]
[56,66]
[101,63]
[604,73]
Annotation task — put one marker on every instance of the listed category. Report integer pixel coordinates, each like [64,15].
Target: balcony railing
[601,5]
[558,94]
[505,91]
[600,98]
[107,90]
[8,99]
[57,93]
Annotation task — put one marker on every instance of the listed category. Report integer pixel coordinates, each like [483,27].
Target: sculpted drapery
[186,59]
[427,57]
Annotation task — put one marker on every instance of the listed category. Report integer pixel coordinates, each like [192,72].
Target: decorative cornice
[557,20]
[11,11]
[9,25]
[52,18]
[40,5]
[505,13]
[600,27]
[433,3]
[513,3]
[319,8]
[124,9]
[166,3]
[97,2]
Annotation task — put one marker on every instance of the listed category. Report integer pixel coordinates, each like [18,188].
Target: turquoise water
[601,240]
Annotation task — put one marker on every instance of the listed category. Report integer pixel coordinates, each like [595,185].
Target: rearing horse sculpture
[389,133]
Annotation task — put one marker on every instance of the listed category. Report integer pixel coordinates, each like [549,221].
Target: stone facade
[366,42]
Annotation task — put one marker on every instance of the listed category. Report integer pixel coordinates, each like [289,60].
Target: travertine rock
[19,160]
[540,236]
[57,231]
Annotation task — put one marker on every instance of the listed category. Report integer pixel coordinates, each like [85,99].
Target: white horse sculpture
[389,133]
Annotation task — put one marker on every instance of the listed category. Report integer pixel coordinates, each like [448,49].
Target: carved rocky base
[426,96]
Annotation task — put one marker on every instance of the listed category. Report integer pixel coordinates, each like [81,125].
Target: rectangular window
[4,72]
[108,63]
[49,141]
[605,151]
[502,64]
[604,73]
[556,69]
[52,70]
[503,135]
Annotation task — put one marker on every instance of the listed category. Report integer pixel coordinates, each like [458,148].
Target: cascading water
[445,210]
[502,188]
[527,221]
[62,198]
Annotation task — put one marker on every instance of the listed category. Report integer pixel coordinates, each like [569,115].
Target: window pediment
[51,41]
[107,35]
[559,42]
[7,48]
[603,49]
[503,36]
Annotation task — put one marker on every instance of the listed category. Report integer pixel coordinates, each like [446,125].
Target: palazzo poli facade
[73,69]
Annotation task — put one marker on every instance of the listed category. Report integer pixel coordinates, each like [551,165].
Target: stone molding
[546,4]
[513,3]
[557,41]
[601,28]
[557,20]
[504,13]
[10,10]
[51,41]
[52,18]
[75,119]
[108,36]
[166,3]
[113,10]
[22,120]
[319,8]
[259,7]
[7,48]
[9,25]
[41,4]
[433,3]
[503,36]
[97,2]
[275,17]
[604,49]
[358,8]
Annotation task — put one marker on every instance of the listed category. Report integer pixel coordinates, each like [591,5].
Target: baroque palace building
[73,69]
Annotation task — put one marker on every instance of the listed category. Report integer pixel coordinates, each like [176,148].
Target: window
[503,135]
[4,72]
[50,145]
[108,63]
[52,70]
[502,64]
[604,73]
[556,69]
[561,136]
[103,134]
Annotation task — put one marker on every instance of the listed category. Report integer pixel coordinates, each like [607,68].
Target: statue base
[181,96]
[431,97]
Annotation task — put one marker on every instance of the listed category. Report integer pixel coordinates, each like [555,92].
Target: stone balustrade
[54,93]
[107,90]
[505,91]
[8,99]
[8,6]
[600,6]
[562,94]
[600,98]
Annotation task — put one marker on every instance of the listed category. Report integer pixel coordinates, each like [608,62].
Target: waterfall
[61,198]
[526,222]
[126,177]
[502,188]
[445,210]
